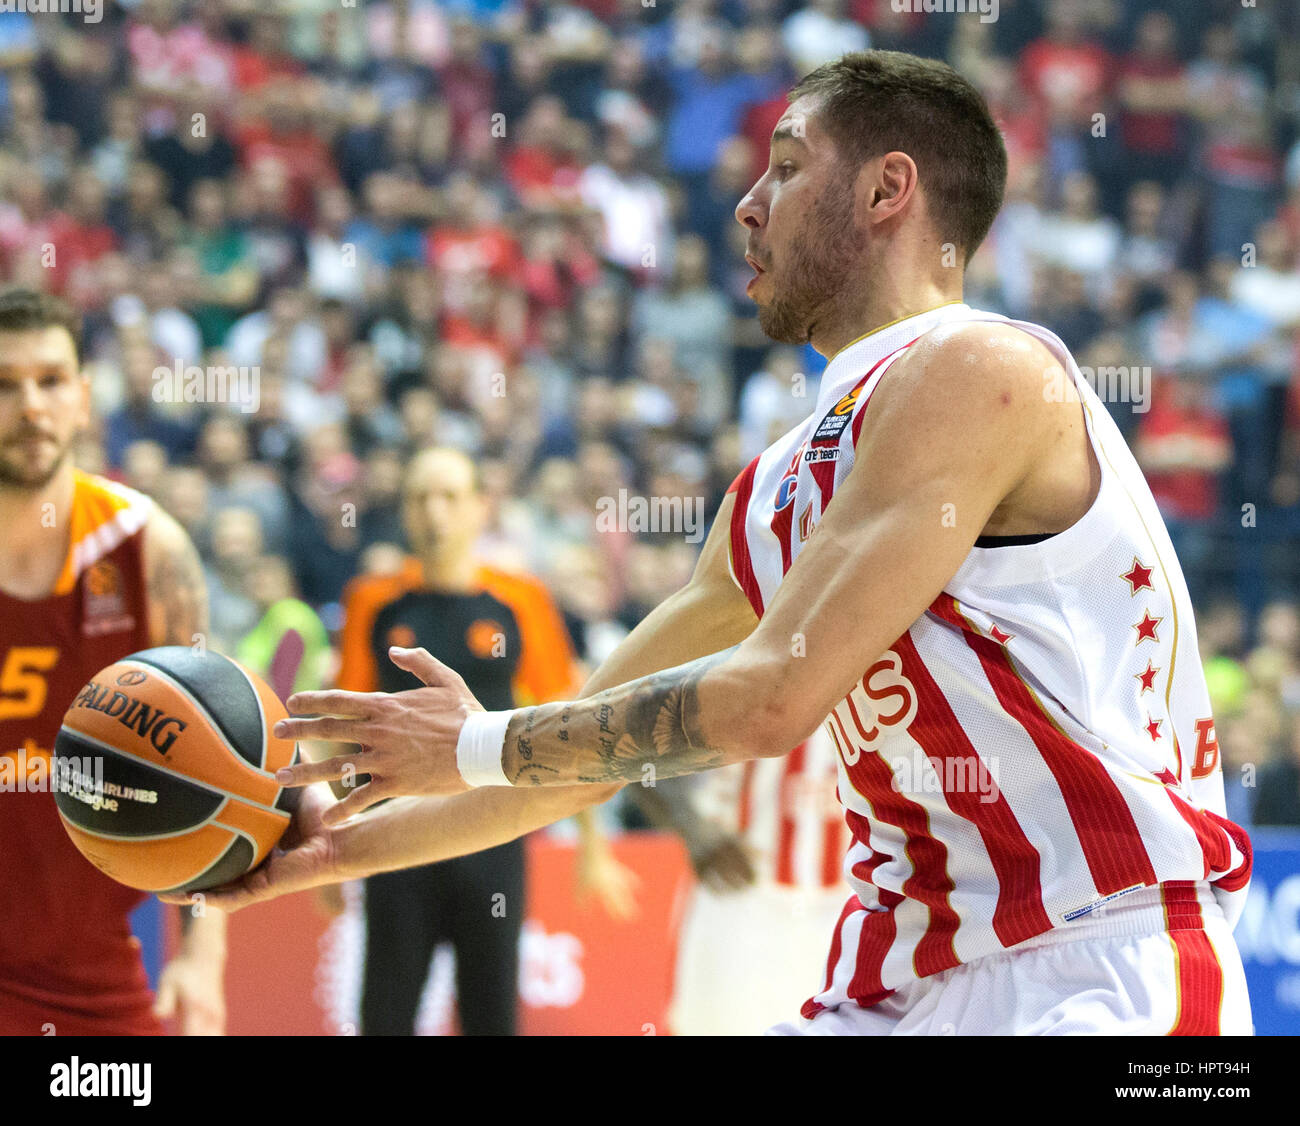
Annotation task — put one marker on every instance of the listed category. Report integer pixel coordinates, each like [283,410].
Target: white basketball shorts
[1127,973]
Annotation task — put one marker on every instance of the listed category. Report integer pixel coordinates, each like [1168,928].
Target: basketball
[165,768]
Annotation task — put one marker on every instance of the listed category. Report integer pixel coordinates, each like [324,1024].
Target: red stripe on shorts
[1200,977]
[812,1006]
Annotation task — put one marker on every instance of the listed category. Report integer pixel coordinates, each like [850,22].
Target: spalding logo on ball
[165,768]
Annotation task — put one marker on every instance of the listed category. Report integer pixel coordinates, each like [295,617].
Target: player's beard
[816,269]
[18,473]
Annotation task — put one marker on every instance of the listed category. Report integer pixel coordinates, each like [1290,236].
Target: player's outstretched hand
[306,857]
[407,739]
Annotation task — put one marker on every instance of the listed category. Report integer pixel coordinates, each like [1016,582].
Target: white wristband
[480,746]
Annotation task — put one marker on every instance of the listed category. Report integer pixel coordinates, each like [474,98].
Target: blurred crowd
[508,226]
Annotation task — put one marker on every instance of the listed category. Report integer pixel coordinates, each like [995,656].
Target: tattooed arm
[963,440]
[709,612]
[961,426]
[191,986]
[649,728]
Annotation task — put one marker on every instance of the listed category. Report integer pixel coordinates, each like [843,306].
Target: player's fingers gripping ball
[164,770]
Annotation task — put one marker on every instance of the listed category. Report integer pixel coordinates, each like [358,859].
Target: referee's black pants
[474,902]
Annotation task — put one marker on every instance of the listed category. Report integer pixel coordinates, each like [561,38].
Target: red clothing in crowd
[460,255]
[541,178]
[1186,493]
[1073,78]
[307,161]
[757,125]
[1146,131]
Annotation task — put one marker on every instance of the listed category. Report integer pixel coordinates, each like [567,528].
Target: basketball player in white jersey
[767,838]
[955,567]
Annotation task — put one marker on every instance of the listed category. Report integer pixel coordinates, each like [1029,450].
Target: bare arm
[710,611]
[961,426]
[177,590]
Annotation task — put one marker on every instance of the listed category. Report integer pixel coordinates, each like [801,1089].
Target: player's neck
[885,301]
[454,573]
[34,545]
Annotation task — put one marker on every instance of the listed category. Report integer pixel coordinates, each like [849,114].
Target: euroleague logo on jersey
[104,600]
[825,447]
[837,418]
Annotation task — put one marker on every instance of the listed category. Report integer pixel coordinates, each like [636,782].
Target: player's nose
[751,211]
[31,398]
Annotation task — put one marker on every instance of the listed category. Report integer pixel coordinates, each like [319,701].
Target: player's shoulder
[99,500]
[962,372]
[965,351]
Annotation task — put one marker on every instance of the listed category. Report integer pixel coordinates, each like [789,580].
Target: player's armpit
[175,586]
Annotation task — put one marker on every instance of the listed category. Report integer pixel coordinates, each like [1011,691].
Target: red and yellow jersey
[67,956]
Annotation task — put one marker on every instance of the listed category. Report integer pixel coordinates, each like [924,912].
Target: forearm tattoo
[647,727]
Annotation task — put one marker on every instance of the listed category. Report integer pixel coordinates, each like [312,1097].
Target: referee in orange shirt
[503,635]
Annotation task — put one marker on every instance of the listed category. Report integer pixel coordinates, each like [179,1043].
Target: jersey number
[22,681]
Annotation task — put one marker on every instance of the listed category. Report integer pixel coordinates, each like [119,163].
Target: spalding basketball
[164,770]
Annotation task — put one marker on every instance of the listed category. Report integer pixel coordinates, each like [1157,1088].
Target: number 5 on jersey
[22,680]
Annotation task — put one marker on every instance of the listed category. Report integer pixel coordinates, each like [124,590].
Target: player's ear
[885,185]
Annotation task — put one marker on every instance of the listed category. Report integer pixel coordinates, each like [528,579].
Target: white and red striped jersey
[786,812]
[1038,743]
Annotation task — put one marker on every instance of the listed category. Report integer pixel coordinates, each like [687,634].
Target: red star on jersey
[1138,578]
[1153,728]
[1000,637]
[1147,628]
[1148,679]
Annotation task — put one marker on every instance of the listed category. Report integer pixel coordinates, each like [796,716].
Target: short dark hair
[874,102]
[22,309]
